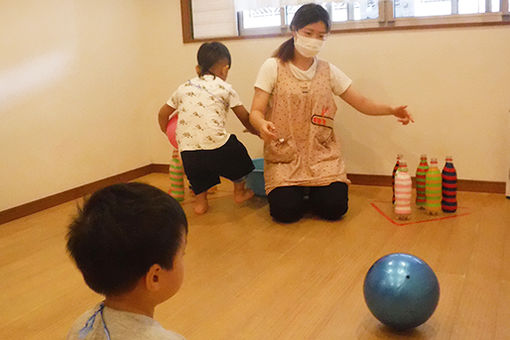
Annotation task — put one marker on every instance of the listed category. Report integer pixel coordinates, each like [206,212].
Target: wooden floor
[250,278]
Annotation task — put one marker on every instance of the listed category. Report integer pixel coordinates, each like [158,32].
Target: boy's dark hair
[305,15]
[121,231]
[209,54]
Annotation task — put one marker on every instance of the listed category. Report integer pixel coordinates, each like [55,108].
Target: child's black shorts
[204,167]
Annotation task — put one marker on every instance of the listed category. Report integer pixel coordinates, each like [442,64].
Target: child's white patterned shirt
[202,104]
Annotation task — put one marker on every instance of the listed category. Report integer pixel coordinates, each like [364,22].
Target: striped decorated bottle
[403,192]
[421,171]
[449,185]
[176,177]
[395,168]
[433,188]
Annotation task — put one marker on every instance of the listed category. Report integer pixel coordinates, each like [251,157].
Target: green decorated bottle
[176,173]
[433,188]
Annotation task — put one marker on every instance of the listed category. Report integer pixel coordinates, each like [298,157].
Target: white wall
[69,95]
[81,83]
[455,82]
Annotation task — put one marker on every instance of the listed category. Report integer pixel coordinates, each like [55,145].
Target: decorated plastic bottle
[176,177]
[395,168]
[403,192]
[449,185]
[421,171]
[433,188]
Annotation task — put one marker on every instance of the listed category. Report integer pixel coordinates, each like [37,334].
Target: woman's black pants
[289,204]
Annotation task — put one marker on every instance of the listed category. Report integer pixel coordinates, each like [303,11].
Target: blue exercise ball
[401,291]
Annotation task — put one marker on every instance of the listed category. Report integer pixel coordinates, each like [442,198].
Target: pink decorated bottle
[449,186]
[433,188]
[403,192]
[421,172]
[395,168]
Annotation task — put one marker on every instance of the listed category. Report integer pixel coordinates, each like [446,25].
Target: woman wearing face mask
[293,110]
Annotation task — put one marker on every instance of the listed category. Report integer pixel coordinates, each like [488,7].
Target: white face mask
[307,47]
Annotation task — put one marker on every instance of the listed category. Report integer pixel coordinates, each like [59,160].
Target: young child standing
[208,151]
[128,242]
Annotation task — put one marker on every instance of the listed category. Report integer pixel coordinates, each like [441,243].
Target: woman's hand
[401,113]
[267,130]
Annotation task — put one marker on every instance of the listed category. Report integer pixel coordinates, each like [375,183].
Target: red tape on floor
[404,223]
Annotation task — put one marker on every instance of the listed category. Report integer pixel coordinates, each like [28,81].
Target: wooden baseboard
[383,180]
[71,194]
[68,195]
[463,184]
[378,180]
[160,168]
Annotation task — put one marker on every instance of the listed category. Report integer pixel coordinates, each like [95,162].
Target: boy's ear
[225,71]
[198,69]
[152,278]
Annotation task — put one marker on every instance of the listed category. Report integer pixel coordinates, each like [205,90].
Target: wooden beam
[186,21]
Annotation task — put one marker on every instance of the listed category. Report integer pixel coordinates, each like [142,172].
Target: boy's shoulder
[211,80]
[187,85]
[206,81]
[79,323]
[120,325]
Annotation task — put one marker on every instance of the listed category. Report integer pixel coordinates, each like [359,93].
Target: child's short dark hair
[210,53]
[121,231]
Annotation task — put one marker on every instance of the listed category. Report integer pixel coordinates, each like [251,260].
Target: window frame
[385,22]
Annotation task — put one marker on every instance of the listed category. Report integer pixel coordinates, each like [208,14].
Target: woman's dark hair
[305,15]
[209,54]
[121,231]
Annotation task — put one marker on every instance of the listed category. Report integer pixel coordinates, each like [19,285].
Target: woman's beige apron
[306,152]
